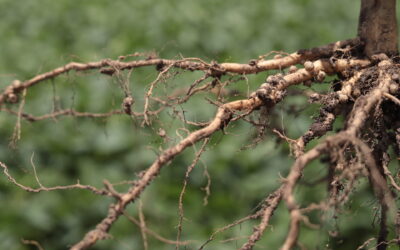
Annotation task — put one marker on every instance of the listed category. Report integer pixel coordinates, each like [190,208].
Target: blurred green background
[37,36]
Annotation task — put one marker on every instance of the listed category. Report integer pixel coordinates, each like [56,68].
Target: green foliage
[38,36]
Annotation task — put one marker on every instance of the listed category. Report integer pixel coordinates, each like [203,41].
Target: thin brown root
[271,203]
[33,243]
[185,182]
[142,222]
[156,235]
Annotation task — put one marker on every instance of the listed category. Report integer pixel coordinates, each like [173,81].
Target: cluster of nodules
[353,91]
[319,75]
[274,87]
[348,91]
[272,90]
